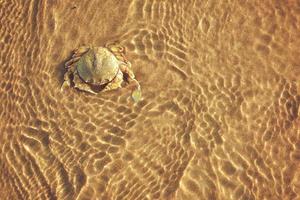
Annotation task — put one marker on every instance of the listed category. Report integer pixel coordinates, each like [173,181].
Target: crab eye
[121,49]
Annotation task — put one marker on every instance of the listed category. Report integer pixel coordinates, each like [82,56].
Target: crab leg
[76,56]
[118,51]
[126,68]
[81,50]
[71,61]
[67,81]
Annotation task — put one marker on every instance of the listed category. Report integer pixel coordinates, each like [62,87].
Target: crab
[99,69]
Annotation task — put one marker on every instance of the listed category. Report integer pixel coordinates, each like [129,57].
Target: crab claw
[136,94]
[114,47]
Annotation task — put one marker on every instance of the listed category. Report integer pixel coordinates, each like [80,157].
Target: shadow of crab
[60,70]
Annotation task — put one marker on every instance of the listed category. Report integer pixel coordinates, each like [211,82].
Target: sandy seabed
[219,119]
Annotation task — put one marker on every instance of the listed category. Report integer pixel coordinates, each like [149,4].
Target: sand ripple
[219,118]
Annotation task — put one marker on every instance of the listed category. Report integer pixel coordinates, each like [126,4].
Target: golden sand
[219,117]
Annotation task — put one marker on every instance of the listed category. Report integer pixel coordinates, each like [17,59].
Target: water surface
[219,117]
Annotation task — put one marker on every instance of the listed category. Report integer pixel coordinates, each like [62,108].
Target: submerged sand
[219,117]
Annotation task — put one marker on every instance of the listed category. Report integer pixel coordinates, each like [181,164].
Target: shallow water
[219,117]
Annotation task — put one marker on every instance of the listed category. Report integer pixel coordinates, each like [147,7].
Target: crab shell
[98,66]
[95,69]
